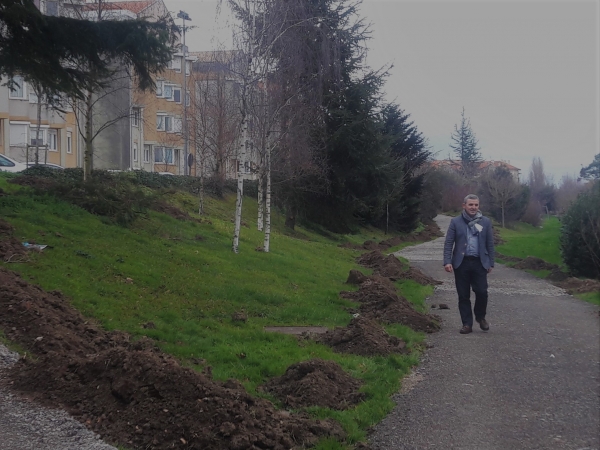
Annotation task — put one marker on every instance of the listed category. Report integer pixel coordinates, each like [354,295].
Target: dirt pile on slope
[131,393]
[533,263]
[380,302]
[11,250]
[364,337]
[579,286]
[391,267]
[316,383]
[430,232]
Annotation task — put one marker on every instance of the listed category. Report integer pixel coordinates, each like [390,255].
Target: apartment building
[57,135]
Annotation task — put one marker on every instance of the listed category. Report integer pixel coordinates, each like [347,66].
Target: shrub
[580,234]
[533,213]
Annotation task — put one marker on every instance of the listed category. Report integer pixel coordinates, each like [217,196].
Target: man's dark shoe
[466,329]
[483,324]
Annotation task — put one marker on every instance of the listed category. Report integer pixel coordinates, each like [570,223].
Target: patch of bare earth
[131,393]
[363,336]
[391,267]
[431,231]
[11,250]
[379,301]
[556,276]
[316,382]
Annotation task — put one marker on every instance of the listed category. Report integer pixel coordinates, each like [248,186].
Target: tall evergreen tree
[465,146]
[65,55]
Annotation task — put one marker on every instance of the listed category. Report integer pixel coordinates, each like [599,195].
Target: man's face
[471,207]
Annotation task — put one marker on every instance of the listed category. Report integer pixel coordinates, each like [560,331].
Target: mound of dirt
[11,250]
[316,383]
[379,301]
[533,263]
[391,267]
[579,286]
[131,393]
[508,258]
[431,231]
[364,337]
[557,275]
[356,277]
[497,239]
[386,266]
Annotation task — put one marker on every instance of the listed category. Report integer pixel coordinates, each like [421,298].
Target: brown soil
[41,184]
[533,263]
[507,258]
[379,301]
[11,250]
[497,239]
[316,383]
[364,337]
[173,211]
[131,393]
[391,267]
[430,232]
[579,286]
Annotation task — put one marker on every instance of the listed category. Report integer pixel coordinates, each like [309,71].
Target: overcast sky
[526,72]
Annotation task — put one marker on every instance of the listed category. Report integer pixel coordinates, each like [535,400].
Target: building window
[168,123]
[41,140]
[19,134]
[160,122]
[135,155]
[187,98]
[135,117]
[69,142]
[17,90]
[52,140]
[168,91]
[159,88]
[187,67]
[176,63]
[177,95]
[147,151]
[163,155]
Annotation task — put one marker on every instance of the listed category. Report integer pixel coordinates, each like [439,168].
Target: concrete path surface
[531,382]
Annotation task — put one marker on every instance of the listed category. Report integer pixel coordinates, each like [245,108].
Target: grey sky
[527,72]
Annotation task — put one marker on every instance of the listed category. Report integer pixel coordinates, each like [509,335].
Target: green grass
[183,277]
[543,242]
[525,240]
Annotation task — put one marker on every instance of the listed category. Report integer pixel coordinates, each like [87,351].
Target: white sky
[526,71]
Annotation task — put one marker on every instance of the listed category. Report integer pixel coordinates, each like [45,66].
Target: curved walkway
[531,382]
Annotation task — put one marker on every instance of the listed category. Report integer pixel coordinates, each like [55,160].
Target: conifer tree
[465,146]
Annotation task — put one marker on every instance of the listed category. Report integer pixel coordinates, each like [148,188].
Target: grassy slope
[525,240]
[190,287]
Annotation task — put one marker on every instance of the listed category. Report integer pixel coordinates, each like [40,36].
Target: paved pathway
[531,382]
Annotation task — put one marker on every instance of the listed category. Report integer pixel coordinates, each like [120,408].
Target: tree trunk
[89,149]
[201,193]
[267,242]
[240,188]
[261,199]
[502,208]
[37,130]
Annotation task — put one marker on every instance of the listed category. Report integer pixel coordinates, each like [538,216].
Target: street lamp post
[186,169]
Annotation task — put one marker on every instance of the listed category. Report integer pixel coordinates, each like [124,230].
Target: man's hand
[448,267]
[490,270]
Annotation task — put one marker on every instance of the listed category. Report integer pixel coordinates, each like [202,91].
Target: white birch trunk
[267,242]
[261,199]
[201,193]
[240,188]
[37,130]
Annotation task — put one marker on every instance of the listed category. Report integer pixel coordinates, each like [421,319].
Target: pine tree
[465,146]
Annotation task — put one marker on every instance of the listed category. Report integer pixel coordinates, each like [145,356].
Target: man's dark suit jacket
[455,245]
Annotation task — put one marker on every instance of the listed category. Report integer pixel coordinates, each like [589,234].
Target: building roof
[136,6]
[456,164]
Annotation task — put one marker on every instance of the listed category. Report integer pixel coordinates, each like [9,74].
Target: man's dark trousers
[469,274]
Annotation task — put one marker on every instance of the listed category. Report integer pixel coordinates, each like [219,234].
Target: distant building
[455,165]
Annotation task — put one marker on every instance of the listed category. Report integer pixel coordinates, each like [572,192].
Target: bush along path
[531,382]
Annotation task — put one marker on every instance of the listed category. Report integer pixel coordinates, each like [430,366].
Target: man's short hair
[470,197]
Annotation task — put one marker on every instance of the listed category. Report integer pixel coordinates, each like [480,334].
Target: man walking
[469,252]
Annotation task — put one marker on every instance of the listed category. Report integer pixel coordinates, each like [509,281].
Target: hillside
[181,299]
